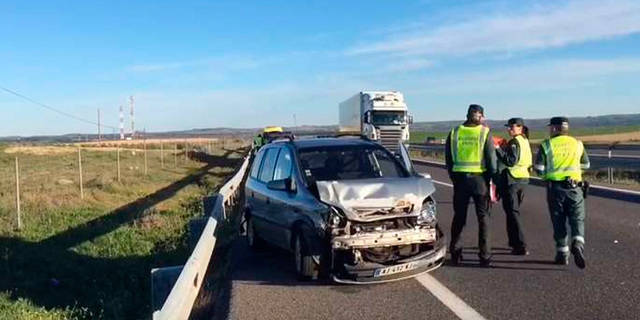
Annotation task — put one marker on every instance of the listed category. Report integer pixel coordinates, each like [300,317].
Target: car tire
[254,241]
[305,266]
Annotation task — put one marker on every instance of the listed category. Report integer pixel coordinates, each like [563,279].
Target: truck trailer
[381,116]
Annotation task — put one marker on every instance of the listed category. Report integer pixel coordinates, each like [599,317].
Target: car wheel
[306,267]
[253,240]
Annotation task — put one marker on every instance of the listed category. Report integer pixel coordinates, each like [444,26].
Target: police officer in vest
[560,161]
[471,162]
[517,159]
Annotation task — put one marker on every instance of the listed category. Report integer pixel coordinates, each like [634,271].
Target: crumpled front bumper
[364,272]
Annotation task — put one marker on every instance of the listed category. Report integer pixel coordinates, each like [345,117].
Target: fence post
[609,169]
[80,172]
[118,161]
[18,195]
[144,146]
[175,156]
[186,152]
[162,155]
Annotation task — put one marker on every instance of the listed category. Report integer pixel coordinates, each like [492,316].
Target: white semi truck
[381,116]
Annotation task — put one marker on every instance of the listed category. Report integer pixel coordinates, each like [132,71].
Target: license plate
[395,269]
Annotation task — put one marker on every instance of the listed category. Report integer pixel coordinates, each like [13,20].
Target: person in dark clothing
[517,159]
[471,163]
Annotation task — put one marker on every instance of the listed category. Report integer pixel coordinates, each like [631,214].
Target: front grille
[390,138]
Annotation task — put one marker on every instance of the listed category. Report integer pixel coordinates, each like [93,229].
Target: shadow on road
[51,274]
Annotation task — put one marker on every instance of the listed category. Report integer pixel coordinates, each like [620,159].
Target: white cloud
[551,26]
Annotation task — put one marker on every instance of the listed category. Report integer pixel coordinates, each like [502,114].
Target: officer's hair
[561,128]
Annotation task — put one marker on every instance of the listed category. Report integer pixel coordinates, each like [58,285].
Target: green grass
[421,136]
[91,258]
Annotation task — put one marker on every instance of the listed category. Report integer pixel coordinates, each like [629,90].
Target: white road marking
[443,183]
[448,298]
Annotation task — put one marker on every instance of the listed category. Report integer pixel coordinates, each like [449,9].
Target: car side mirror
[410,119]
[282,185]
[367,117]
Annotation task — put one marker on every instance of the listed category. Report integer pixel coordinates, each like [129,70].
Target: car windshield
[349,162]
[388,117]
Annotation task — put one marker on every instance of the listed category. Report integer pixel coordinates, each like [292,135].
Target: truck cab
[381,116]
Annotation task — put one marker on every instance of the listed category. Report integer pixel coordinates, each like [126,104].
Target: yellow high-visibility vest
[563,155]
[521,169]
[467,148]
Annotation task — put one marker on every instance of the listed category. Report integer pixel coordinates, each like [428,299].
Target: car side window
[255,168]
[268,164]
[283,166]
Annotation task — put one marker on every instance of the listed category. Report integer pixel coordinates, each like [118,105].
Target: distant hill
[540,124]
[621,120]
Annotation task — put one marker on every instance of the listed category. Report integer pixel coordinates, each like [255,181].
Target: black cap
[475,107]
[516,121]
[558,121]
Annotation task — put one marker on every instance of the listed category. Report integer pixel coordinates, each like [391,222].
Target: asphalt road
[622,157]
[263,285]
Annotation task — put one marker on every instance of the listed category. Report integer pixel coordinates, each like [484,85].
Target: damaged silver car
[347,208]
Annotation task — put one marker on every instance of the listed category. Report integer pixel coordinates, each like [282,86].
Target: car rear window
[349,162]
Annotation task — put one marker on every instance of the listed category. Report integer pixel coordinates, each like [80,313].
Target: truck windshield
[388,117]
[349,162]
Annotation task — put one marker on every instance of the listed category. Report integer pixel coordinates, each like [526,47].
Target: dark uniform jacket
[509,157]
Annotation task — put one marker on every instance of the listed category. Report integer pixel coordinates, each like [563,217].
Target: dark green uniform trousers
[566,205]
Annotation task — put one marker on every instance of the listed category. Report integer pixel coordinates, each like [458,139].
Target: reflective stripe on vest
[563,155]
[521,169]
[467,148]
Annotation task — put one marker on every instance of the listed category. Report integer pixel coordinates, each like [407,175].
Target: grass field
[598,134]
[91,258]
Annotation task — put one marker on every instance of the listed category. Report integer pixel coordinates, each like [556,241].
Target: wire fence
[40,177]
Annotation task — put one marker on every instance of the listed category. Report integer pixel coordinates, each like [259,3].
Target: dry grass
[614,137]
[90,258]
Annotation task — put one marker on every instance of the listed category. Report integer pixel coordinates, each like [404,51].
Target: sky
[248,64]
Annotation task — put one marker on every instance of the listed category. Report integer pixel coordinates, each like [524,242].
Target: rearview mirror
[410,119]
[281,185]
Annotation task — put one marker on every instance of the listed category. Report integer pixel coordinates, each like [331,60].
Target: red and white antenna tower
[133,128]
[121,123]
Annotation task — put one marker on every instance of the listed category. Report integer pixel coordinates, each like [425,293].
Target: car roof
[329,141]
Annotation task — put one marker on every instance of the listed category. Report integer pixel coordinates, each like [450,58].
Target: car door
[261,195]
[284,210]
[252,203]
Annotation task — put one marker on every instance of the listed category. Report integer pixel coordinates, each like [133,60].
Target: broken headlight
[335,218]
[428,213]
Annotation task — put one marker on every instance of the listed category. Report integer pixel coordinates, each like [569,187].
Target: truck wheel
[306,267]
[254,241]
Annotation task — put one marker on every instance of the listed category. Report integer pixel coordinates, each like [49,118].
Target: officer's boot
[561,259]
[577,249]
[456,256]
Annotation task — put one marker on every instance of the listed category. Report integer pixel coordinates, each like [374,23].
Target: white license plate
[395,269]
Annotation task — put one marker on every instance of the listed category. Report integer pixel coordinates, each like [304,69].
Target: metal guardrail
[182,297]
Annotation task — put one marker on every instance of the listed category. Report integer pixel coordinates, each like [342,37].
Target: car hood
[376,199]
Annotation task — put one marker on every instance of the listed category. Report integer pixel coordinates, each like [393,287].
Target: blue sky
[197,64]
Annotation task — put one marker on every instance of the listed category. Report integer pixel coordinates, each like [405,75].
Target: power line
[54,109]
